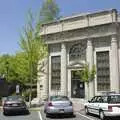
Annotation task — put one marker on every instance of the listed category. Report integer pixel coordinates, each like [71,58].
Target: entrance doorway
[77,85]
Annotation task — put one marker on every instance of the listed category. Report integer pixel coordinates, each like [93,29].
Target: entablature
[79,22]
[81,34]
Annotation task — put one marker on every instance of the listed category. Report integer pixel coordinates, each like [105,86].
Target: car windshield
[114,99]
[14,98]
[59,98]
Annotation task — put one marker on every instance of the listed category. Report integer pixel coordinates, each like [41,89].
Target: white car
[104,106]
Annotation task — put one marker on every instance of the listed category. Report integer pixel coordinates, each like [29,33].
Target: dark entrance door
[77,86]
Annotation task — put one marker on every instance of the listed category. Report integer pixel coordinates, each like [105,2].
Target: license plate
[14,105]
[61,110]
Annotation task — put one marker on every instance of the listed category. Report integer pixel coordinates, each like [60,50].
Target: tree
[88,75]
[34,48]
[31,42]
[49,11]
[4,65]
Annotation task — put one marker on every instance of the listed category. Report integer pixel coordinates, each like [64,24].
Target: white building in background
[74,41]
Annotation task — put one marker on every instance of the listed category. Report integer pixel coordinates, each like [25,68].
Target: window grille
[103,71]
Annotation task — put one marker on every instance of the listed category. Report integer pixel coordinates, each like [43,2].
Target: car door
[91,105]
[97,104]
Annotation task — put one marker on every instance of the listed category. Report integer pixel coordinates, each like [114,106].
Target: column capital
[63,45]
[114,38]
[89,42]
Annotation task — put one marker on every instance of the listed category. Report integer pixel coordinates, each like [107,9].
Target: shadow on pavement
[60,116]
[18,113]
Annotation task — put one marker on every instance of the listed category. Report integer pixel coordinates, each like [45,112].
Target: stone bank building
[92,38]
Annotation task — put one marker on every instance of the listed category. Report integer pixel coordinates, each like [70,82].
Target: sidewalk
[78,106]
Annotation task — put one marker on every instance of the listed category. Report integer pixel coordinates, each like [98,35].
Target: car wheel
[44,111]
[47,114]
[5,113]
[86,111]
[101,114]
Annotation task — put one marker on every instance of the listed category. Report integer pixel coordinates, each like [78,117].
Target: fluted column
[63,69]
[89,57]
[114,65]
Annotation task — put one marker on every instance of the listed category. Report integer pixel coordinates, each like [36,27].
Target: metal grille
[103,71]
[55,72]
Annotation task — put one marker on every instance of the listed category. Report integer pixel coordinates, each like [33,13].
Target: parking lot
[38,114]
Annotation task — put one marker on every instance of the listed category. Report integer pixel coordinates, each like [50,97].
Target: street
[32,116]
[40,115]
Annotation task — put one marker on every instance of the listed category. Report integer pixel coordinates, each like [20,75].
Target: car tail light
[50,104]
[110,108]
[5,104]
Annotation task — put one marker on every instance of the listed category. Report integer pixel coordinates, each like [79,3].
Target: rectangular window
[55,72]
[103,71]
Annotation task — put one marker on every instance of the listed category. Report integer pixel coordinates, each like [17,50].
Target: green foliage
[49,11]
[22,67]
[33,46]
[14,67]
[88,75]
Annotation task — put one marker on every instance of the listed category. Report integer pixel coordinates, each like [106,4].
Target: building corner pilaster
[89,59]
[63,69]
[115,66]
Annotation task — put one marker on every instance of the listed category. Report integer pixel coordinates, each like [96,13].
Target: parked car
[14,104]
[104,106]
[58,105]
[36,102]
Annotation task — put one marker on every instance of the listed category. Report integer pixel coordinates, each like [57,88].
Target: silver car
[58,105]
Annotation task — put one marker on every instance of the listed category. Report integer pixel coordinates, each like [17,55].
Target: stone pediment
[76,65]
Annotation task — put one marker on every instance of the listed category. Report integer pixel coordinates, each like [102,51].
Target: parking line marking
[40,116]
[85,116]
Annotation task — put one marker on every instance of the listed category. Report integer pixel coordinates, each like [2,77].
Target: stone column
[63,69]
[38,88]
[42,79]
[38,81]
[90,63]
[46,78]
[114,65]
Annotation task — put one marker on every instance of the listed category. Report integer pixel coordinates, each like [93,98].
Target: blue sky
[13,16]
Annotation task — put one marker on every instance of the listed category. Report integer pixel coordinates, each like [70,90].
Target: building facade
[74,41]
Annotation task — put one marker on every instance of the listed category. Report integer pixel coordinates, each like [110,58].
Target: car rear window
[13,98]
[114,99]
[58,98]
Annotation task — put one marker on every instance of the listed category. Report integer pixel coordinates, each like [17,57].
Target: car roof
[107,95]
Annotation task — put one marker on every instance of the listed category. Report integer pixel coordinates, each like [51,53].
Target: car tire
[44,111]
[102,115]
[47,114]
[86,111]
[5,113]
